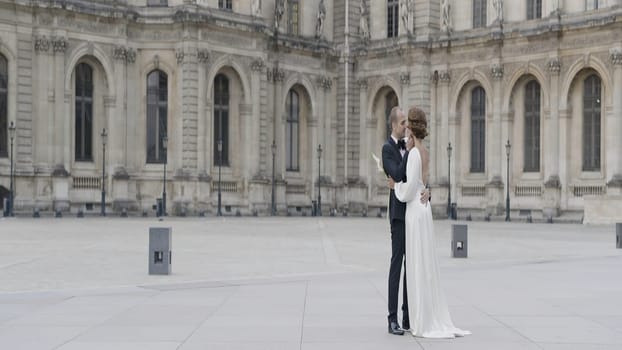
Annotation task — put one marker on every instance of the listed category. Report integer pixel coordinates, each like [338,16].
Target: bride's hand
[391,183]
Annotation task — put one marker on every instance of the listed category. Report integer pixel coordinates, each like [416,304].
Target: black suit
[395,166]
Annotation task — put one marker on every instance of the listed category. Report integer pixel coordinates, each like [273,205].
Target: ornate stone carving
[405,78]
[615,54]
[256,8]
[554,65]
[325,82]
[179,55]
[257,65]
[122,53]
[498,5]
[203,55]
[444,76]
[156,61]
[275,75]
[42,43]
[446,23]
[363,22]
[362,83]
[319,22]
[279,10]
[407,13]
[496,71]
[59,44]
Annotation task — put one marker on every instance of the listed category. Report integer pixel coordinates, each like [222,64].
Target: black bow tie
[401,144]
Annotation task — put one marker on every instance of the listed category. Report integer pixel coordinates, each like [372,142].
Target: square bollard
[619,235]
[160,254]
[459,241]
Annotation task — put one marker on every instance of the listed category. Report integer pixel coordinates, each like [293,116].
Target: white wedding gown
[428,310]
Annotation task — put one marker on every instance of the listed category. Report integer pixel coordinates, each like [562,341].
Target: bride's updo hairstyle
[417,123]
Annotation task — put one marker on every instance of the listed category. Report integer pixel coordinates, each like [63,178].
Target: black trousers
[398,245]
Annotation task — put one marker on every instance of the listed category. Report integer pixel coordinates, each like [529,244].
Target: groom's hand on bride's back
[391,183]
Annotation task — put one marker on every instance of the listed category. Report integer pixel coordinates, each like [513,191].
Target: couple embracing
[406,161]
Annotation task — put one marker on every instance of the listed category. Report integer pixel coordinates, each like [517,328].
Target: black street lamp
[507,185]
[12,194]
[104,136]
[219,213]
[273,206]
[449,149]
[319,180]
[164,147]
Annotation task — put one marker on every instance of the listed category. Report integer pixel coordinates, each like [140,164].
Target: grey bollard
[619,235]
[459,241]
[160,244]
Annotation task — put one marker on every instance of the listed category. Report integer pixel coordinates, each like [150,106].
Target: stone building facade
[275,79]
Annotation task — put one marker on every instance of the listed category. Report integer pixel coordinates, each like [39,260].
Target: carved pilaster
[405,78]
[615,54]
[325,82]
[42,44]
[59,44]
[275,75]
[554,66]
[496,70]
[257,65]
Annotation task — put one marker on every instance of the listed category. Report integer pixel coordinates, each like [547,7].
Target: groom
[394,158]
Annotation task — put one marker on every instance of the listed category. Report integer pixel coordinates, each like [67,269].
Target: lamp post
[507,184]
[104,136]
[319,180]
[449,149]
[219,213]
[12,194]
[164,147]
[273,206]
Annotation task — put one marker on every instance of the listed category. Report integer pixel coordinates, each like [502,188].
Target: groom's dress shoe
[394,328]
[405,324]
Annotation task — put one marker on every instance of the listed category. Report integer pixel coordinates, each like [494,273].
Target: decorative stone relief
[128,55]
[42,43]
[156,61]
[179,55]
[203,55]
[498,5]
[615,54]
[279,10]
[554,65]
[325,82]
[257,65]
[496,71]
[256,8]
[275,75]
[444,76]
[446,23]
[319,22]
[59,44]
[363,22]
[405,78]
[362,83]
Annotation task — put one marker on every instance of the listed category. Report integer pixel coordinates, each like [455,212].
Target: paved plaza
[297,283]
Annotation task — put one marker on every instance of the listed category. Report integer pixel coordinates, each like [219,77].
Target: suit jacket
[394,166]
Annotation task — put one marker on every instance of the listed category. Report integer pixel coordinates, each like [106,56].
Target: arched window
[591,123]
[84,113]
[532,127]
[292,134]
[4,89]
[393,18]
[479,13]
[157,112]
[534,9]
[478,130]
[294,15]
[221,120]
[390,102]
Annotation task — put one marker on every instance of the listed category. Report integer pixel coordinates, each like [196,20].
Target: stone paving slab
[298,283]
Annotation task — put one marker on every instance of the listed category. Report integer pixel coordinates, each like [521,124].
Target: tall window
[393,18]
[532,127]
[224,4]
[591,123]
[294,14]
[4,83]
[292,133]
[478,130]
[84,113]
[479,13]
[591,4]
[534,9]
[390,102]
[221,119]
[157,112]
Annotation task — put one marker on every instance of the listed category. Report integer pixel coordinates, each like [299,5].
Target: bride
[429,314]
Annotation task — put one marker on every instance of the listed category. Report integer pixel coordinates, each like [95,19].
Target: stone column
[62,126]
[614,128]
[497,133]
[444,137]
[564,157]
[550,143]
